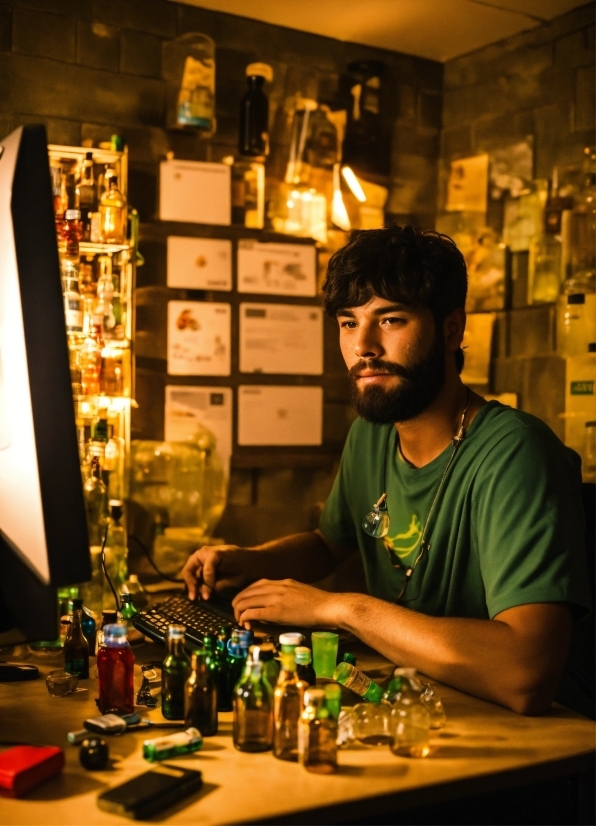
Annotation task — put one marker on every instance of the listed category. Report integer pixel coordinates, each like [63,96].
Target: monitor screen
[43,532]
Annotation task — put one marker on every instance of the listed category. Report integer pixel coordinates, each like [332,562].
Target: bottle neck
[176,648]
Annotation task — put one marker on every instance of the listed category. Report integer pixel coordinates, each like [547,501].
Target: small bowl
[60,683]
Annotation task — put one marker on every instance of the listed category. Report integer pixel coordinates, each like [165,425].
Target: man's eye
[393,320]
[348,324]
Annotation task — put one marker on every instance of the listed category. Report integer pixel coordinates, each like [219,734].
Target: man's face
[396,359]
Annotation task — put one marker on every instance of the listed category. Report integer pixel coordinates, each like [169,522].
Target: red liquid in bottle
[115,666]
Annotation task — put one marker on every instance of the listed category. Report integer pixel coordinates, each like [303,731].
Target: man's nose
[367,345]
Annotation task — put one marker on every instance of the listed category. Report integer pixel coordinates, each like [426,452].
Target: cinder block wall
[539,83]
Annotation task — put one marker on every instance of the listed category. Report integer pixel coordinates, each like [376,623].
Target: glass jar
[189,71]
[372,723]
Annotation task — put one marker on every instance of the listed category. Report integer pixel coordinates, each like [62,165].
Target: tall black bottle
[253,139]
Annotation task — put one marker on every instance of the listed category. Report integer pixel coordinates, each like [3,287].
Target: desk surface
[482,748]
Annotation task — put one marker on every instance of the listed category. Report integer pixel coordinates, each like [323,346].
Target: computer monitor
[43,531]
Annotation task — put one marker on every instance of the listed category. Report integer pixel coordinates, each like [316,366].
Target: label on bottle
[358,682]
[582,388]
[190,737]
[197,92]
[73,312]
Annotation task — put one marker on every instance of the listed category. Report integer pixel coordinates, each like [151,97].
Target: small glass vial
[318,734]
[434,706]
[351,677]
[173,745]
[174,673]
[253,707]
[200,695]
[410,720]
[115,669]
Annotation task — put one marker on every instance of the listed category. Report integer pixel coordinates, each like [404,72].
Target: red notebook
[23,767]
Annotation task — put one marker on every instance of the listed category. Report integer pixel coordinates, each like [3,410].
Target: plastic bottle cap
[260,70]
[313,694]
[116,629]
[291,638]
[72,214]
[303,655]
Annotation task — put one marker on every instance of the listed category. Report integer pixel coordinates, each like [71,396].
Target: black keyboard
[200,618]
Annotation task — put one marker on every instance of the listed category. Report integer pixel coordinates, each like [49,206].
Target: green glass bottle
[333,699]
[174,674]
[349,658]
[76,647]
[304,666]
[224,686]
[270,664]
[200,695]
[357,681]
[236,658]
[253,707]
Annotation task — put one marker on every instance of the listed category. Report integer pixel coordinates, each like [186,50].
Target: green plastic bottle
[172,745]
[351,677]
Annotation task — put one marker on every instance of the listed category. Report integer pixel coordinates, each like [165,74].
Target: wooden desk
[482,748]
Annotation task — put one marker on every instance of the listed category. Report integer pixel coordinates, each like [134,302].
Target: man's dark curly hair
[405,264]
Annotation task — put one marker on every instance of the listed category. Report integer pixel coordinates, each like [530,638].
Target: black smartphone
[151,792]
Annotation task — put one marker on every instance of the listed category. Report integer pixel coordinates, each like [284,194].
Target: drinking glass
[324,652]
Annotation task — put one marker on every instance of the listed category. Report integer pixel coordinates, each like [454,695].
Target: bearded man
[467,513]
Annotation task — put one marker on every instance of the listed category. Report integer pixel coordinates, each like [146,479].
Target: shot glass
[324,653]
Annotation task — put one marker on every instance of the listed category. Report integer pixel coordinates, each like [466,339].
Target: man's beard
[420,385]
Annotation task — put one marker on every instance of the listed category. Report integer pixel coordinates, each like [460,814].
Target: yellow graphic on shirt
[403,544]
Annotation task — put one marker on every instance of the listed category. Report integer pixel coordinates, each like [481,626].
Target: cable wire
[151,562]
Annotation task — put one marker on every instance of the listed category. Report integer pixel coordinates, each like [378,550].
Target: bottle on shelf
[189,71]
[288,703]
[200,695]
[546,250]
[253,139]
[356,680]
[410,719]
[105,295]
[115,668]
[253,707]
[69,264]
[175,671]
[582,221]
[86,194]
[304,666]
[76,646]
[96,504]
[318,734]
[248,193]
[112,209]
[580,400]
[576,314]
[90,359]
[116,553]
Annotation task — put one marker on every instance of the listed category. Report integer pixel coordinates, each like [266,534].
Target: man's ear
[453,329]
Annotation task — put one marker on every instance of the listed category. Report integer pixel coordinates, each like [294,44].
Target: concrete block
[142,190]
[145,144]
[551,124]
[190,19]
[407,103]
[411,141]
[59,130]
[5,27]
[98,45]
[45,35]
[152,16]
[575,49]
[46,87]
[456,142]
[503,130]
[140,54]
[70,8]
[148,418]
[584,98]
[532,331]
[429,109]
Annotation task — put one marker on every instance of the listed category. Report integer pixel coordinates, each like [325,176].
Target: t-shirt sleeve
[336,522]
[529,523]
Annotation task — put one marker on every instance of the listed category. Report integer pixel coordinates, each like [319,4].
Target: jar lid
[260,70]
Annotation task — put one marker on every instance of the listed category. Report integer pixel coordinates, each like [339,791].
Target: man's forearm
[301,556]
[487,658]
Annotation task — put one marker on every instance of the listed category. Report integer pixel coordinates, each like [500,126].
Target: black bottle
[254,113]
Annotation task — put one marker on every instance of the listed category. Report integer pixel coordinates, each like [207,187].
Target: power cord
[105,570]
[151,562]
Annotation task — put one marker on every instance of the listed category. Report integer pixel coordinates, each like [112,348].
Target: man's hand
[285,602]
[217,567]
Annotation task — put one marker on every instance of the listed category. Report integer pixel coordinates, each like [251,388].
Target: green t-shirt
[507,527]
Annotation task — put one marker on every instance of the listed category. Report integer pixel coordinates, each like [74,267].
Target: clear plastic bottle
[351,677]
[115,668]
[318,734]
[410,719]
[189,71]
[253,707]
